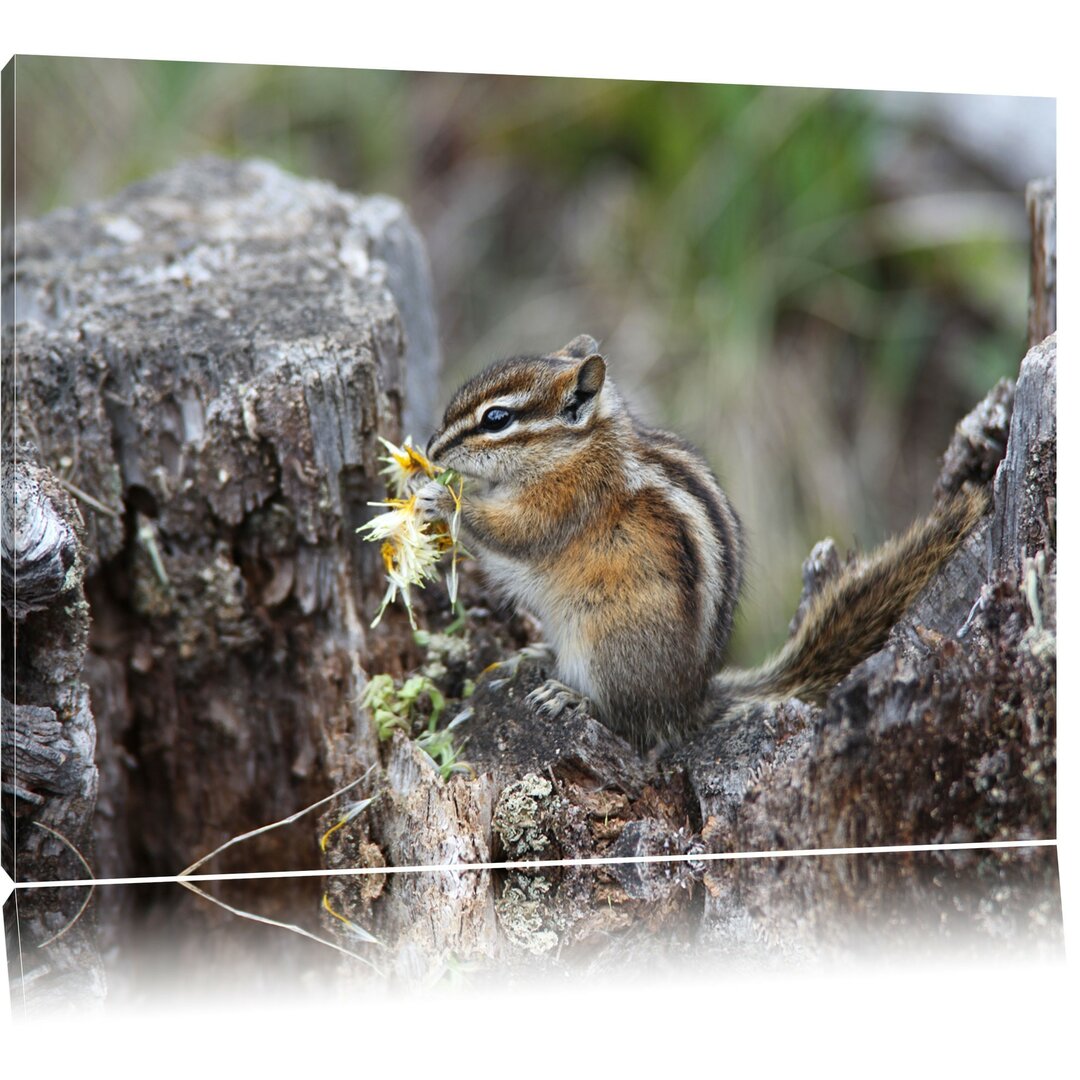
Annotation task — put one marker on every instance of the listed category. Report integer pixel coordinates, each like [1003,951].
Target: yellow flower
[411,548]
[403,465]
[410,551]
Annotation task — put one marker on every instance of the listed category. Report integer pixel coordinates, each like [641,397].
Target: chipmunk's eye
[495,419]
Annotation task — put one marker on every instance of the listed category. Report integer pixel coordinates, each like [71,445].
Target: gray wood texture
[204,362]
[50,779]
[1042,219]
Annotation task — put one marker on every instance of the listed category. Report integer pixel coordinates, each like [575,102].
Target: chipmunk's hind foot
[552,698]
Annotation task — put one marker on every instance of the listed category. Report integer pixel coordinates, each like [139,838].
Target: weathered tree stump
[204,362]
[50,781]
[48,728]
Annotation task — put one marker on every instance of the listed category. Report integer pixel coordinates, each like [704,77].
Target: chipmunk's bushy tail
[850,618]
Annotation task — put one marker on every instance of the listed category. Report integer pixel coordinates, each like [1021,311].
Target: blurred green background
[812,285]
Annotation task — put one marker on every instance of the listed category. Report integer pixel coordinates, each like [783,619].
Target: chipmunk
[619,538]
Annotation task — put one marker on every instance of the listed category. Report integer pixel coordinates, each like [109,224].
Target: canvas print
[583,525]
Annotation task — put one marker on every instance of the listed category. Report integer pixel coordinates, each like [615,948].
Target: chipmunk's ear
[590,375]
[581,347]
[586,385]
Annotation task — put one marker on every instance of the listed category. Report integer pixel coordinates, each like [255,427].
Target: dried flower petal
[404,465]
[411,548]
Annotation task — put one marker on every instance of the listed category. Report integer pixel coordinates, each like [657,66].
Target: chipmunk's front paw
[434,502]
[552,698]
